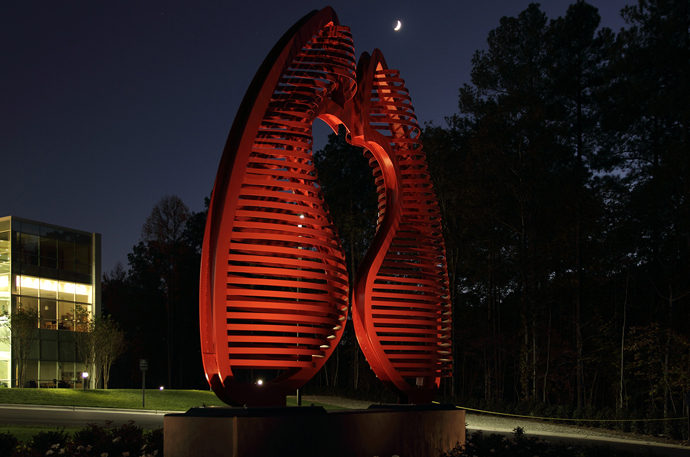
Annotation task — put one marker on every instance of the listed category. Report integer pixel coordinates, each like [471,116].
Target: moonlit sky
[105,107]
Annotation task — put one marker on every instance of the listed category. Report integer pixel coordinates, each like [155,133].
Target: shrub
[564,411]
[154,440]
[93,440]
[623,421]
[653,426]
[8,443]
[46,443]
[125,440]
[90,435]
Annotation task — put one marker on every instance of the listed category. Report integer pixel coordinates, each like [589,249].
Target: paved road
[77,417]
[573,434]
[629,445]
[80,417]
[547,430]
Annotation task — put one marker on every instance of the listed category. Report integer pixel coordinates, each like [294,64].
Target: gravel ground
[492,423]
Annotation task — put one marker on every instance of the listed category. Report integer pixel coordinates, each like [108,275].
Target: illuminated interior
[55,272]
[61,305]
[5,297]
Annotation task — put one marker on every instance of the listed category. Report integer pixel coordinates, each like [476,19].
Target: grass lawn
[24,433]
[157,400]
[165,400]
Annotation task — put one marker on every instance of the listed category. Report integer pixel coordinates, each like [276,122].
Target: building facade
[55,271]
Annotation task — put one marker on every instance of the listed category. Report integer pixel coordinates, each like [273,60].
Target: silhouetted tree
[139,300]
[649,118]
[98,346]
[23,325]
[162,235]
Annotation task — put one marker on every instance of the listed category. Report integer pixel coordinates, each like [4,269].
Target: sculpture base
[419,430]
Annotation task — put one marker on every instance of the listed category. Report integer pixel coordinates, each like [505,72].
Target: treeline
[564,182]
[156,300]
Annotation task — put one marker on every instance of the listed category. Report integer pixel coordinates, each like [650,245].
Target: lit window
[82,291]
[48,285]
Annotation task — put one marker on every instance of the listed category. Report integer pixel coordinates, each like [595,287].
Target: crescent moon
[397,27]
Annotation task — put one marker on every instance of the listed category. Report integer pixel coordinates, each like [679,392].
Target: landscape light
[260,382]
[161,388]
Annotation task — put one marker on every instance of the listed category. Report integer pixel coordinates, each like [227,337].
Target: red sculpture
[401,306]
[274,285]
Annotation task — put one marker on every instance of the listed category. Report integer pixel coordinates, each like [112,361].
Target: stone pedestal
[406,431]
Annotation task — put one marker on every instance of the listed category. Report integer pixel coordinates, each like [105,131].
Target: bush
[564,411]
[89,435]
[623,421]
[653,426]
[154,440]
[127,439]
[93,440]
[44,442]
[8,443]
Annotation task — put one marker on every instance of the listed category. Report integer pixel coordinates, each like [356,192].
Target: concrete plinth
[406,431]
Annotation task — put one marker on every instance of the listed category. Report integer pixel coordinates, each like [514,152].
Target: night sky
[105,107]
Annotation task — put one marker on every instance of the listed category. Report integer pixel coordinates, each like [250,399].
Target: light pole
[143,366]
[299,394]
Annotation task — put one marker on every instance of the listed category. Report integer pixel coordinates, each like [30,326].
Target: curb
[85,408]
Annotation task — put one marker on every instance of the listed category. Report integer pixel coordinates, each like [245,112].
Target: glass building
[55,271]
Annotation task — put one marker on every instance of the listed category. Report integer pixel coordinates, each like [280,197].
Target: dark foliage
[156,301]
[43,442]
[495,445]
[8,443]
[564,187]
[125,440]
